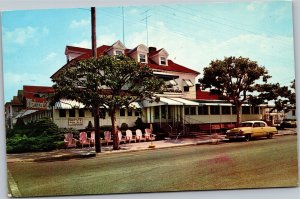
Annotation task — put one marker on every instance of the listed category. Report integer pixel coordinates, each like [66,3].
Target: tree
[114,81]
[284,98]
[233,79]
[127,81]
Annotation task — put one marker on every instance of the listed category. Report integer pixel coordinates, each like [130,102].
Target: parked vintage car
[251,129]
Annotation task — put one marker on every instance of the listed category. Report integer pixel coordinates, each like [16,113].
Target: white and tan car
[251,129]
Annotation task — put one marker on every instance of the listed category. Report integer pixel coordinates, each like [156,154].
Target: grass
[255,164]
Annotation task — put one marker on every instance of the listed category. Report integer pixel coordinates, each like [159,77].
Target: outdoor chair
[139,135]
[121,137]
[149,135]
[69,140]
[92,138]
[129,137]
[84,140]
[107,137]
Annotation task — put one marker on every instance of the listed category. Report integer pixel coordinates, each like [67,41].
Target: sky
[34,41]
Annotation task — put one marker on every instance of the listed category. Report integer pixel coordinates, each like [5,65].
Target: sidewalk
[76,153]
[73,153]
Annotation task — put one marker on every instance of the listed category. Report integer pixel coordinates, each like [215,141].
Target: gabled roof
[171,67]
[77,49]
[104,48]
[162,50]
[30,91]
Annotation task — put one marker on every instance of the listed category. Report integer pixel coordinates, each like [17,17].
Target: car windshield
[246,124]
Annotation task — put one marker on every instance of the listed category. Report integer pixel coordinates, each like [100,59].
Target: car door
[258,130]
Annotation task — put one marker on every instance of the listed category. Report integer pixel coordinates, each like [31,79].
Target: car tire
[270,135]
[248,137]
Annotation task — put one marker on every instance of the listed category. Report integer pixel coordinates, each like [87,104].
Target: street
[230,165]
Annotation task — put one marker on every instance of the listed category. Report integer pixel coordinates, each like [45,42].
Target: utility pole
[96,105]
[94,41]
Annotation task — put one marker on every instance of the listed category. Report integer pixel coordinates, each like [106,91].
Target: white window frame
[140,58]
[119,52]
[163,59]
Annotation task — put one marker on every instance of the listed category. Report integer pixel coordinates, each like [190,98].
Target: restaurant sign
[39,104]
[75,121]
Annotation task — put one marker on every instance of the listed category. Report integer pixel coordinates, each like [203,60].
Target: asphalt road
[231,165]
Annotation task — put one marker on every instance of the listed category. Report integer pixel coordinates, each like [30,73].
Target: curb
[66,157]
[92,154]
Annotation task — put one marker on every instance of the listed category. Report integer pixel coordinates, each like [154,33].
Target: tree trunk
[238,114]
[114,130]
[97,129]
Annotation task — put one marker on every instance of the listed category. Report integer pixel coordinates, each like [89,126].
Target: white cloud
[15,81]
[251,6]
[108,39]
[21,36]
[51,56]
[80,23]
[133,11]
[274,52]
[83,44]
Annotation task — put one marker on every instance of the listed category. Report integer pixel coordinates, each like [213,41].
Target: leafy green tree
[234,80]
[114,81]
[284,98]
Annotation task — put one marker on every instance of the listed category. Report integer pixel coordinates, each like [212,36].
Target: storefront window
[72,113]
[226,110]
[156,112]
[203,110]
[214,110]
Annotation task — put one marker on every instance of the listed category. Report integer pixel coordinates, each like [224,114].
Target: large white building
[182,106]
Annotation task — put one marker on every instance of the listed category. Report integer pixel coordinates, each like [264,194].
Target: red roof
[171,67]
[31,91]
[102,50]
[78,49]
[206,95]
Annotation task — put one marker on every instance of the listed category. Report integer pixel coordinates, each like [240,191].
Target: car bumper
[235,136]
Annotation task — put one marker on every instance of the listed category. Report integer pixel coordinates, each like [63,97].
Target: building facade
[183,106]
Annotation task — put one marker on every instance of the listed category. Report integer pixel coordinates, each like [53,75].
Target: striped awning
[68,104]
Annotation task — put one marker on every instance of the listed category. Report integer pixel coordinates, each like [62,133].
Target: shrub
[41,135]
[124,126]
[139,124]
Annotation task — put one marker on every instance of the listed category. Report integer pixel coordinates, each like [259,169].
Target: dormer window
[163,61]
[119,52]
[142,58]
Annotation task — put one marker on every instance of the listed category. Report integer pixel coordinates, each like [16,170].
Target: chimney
[152,49]
[198,87]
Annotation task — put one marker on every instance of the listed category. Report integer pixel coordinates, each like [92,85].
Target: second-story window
[163,61]
[119,52]
[142,58]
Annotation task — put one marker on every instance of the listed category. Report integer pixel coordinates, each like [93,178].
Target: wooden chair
[149,135]
[84,140]
[92,138]
[107,137]
[139,135]
[121,137]
[129,137]
[70,142]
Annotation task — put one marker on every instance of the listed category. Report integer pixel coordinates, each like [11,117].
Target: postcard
[152,98]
